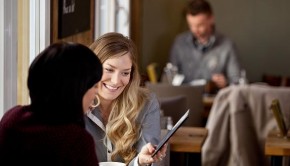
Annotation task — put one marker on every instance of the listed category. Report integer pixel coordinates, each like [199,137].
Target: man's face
[201,26]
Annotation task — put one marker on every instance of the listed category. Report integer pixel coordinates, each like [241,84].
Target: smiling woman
[116,76]
[127,115]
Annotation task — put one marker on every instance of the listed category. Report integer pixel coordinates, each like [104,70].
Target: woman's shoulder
[149,98]
[15,114]
[152,98]
[150,109]
[151,103]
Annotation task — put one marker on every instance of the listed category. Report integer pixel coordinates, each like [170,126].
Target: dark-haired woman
[50,131]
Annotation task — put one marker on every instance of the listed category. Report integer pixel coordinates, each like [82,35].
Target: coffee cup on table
[111,163]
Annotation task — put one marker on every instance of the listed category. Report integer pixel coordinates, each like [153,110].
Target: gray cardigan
[196,62]
[149,119]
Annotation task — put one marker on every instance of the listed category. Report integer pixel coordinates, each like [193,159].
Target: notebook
[171,132]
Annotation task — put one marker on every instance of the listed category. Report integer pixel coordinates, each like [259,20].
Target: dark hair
[59,77]
[196,7]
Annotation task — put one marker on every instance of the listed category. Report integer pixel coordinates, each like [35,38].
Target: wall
[161,21]
[1,58]
[260,28]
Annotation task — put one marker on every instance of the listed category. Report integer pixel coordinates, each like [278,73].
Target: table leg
[185,159]
[276,160]
[192,159]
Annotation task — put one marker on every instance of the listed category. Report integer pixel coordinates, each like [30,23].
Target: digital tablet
[171,132]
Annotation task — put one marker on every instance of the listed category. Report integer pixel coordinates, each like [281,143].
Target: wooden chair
[272,80]
[153,72]
[276,80]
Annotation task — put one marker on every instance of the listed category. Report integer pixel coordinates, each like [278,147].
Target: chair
[153,71]
[171,105]
[276,80]
[239,122]
[193,96]
[273,80]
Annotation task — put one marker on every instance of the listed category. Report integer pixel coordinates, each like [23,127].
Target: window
[112,16]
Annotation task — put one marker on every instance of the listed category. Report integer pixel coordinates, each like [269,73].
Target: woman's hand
[144,157]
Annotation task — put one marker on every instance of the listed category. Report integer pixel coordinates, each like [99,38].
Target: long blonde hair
[122,128]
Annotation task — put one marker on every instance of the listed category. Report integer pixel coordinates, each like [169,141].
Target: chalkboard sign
[73,17]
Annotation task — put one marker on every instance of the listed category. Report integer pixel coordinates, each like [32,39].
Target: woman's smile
[116,76]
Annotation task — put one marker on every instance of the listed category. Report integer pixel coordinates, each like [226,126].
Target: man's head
[200,19]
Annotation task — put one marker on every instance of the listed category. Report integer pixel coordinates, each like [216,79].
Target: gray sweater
[149,119]
[196,62]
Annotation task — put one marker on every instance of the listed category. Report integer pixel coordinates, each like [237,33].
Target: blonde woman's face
[116,76]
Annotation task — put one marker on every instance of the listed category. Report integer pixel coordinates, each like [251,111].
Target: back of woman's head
[59,77]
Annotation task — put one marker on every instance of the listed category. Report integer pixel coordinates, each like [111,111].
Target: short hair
[195,7]
[59,77]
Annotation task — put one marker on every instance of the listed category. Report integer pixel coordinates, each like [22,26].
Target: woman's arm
[150,133]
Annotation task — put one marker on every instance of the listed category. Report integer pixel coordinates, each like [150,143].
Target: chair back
[193,94]
[173,106]
[239,123]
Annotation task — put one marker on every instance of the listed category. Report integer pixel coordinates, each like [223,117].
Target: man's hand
[220,80]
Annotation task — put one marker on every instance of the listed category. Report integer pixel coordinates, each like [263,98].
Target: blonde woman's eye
[126,74]
[108,70]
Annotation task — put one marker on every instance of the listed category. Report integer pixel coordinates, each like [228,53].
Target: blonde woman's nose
[115,78]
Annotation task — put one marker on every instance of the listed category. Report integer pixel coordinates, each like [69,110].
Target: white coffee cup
[111,163]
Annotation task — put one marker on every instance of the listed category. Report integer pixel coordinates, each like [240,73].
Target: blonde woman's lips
[111,88]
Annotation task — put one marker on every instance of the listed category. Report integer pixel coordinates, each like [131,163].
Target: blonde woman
[126,124]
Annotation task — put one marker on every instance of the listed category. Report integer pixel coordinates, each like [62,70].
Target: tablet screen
[171,132]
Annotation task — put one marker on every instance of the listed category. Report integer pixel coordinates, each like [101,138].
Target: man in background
[202,52]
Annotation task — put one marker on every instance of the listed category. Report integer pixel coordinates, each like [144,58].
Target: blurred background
[260,29]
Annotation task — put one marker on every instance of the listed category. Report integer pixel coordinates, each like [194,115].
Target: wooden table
[208,100]
[207,104]
[188,140]
[277,146]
